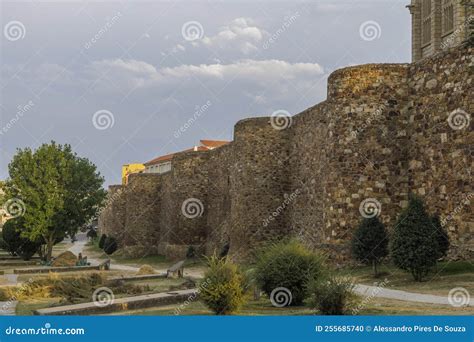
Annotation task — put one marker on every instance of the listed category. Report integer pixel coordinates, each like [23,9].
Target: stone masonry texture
[384,131]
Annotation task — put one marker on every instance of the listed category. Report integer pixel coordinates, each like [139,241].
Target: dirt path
[81,242]
[374,291]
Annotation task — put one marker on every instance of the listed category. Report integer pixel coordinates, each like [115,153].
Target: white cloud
[260,72]
[240,35]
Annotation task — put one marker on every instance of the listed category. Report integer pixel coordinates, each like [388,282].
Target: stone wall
[382,133]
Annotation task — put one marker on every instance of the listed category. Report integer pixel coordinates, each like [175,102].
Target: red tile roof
[206,146]
[214,143]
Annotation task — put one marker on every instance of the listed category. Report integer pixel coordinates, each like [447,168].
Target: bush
[222,291]
[191,252]
[415,242]
[91,234]
[334,296]
[11,236]
[370,242]
[110,245]
[102,239]
[14,243]
[290,265]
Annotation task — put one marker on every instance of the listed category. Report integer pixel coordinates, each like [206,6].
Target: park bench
[177,268]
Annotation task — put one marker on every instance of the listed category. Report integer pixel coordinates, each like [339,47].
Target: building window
[448,16]
[426,22]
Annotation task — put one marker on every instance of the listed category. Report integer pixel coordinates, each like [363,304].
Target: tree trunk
[49,248]
[374,265]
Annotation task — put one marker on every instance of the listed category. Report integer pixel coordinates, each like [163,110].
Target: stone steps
[121,304]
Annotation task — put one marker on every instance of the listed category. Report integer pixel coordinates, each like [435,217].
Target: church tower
[438,25]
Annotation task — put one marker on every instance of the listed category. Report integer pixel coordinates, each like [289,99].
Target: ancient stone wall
[382,133]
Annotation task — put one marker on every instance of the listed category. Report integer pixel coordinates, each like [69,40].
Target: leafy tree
[370,242]
[414,245]
[61,192]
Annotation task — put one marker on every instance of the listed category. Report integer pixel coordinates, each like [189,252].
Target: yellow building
[130,168]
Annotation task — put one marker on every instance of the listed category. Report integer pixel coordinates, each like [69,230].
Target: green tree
[60,190]
[370,242]
[14,243]
[414,244]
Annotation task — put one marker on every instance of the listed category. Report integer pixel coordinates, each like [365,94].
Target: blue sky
[118,79]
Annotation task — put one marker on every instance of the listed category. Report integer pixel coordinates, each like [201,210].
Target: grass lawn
[263,307]
[446,276]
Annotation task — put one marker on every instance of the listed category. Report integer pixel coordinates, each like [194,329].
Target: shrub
[191,252]
[92,234]
[333,296]
[102,241]
[14,243]
[414,246]
[223,292]
[110,245]
[370,242]
[11,236]
[290,265]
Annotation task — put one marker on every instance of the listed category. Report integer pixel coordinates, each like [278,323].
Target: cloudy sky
[127,81]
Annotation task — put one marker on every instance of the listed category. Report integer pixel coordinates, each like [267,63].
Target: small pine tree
[414,245]
[102,241]
[370,242]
